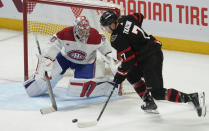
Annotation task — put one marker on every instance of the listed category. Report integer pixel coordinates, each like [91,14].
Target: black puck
[74,120]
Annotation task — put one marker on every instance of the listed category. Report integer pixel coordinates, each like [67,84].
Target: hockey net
[43,18]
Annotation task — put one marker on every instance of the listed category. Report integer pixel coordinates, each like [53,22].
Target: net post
[25,39]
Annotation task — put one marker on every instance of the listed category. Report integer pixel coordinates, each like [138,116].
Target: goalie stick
[94,123]
[52,108]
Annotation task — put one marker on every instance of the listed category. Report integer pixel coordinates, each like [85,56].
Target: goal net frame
[78,4]
[85,4]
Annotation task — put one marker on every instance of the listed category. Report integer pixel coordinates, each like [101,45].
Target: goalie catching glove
[44,64]
[46,59]
[112,63]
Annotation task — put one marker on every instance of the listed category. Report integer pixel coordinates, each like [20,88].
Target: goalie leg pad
[89,87]
[37,85]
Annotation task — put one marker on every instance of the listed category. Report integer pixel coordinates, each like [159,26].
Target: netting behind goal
[43,18]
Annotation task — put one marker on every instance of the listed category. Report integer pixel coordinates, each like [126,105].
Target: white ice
[183,71]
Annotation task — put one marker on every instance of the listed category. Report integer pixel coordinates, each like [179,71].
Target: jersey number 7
[136,30]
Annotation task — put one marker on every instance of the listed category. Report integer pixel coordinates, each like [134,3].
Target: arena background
[181,25]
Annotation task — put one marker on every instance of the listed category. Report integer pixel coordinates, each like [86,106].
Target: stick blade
[87,124]
[152,111]
[47,110]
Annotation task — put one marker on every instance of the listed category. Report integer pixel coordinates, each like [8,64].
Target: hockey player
[141,56]
[73,47]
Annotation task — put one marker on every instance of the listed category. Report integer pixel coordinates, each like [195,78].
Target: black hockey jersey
[132,43]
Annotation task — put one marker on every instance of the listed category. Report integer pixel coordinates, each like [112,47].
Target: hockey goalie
[73,47]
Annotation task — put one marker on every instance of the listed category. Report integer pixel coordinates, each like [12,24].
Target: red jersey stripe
[126,50]
[134,16]
[129,58]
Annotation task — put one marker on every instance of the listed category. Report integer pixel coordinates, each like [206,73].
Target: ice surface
[183,71]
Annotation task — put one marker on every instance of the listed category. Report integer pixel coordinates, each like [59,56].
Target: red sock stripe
[142,93]
[139,85]
[177,97]
[169,94]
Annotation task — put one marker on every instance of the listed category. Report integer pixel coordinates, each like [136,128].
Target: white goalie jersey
[65,42]
[76,51]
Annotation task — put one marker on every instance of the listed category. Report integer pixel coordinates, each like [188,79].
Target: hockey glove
[112,63]
[118,79]
[44,64]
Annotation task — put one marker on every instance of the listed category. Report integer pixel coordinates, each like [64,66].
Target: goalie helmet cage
[46,17]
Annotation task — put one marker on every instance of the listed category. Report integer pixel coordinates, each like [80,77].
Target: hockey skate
[198,101]
[149,105]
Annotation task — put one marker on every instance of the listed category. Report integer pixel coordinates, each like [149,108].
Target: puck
[74,120]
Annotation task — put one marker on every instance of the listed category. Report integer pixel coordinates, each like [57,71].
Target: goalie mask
[81,29]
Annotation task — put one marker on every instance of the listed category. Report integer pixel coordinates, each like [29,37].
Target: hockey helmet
[108,18]
[81,29]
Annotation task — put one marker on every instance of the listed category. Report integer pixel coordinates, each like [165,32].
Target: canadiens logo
[113,37]
[77,55]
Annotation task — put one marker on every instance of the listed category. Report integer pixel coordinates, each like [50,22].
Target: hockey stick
[52,108]
[94,123]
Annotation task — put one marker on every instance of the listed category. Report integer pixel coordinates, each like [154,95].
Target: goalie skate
[198,101]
